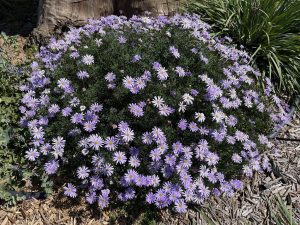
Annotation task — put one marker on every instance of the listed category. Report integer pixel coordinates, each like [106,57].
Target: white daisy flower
[218,116]
[88,59]
[98,42]
[182,107]
[162,73]
[188,99]
[158,101]
[200,117]
[127,135]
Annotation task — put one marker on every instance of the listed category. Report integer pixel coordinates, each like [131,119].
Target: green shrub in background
[269,29]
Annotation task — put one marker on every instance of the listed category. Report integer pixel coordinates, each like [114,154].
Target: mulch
[256,204]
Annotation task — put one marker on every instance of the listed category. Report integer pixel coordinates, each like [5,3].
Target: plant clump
[150,110]
[269,30]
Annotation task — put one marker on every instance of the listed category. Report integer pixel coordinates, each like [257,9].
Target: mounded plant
[148,110]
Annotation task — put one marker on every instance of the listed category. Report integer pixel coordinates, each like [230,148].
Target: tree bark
[58,13]
[155,7]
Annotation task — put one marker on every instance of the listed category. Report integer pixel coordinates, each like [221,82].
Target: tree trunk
[58,13]
[156,7]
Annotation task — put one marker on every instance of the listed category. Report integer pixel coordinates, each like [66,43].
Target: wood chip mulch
[255,205]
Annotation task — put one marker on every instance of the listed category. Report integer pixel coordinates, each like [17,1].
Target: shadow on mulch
[122,214]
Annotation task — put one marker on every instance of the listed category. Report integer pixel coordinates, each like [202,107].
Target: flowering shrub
[151,110]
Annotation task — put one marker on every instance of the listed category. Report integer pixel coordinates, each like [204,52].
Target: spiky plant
[269,29]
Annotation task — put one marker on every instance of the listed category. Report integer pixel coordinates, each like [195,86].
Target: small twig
[287,139]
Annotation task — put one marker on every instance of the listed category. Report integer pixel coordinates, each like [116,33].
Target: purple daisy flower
[89,126]
[194,92]
[95,141]
[230,139]
[96,107]
[119,157]
[212,159]
[180,206]
[51,167]
[88,59]
[146,76]
[182,124]
[74,55]
[237,184]
[177,147]
[70,190]
[155,154]
[66,111]
[111,143]
[136,109]
[122,40]
[150,198]
[147,138]
[83,172]
[180,71]
[193,127]
[53,109]
[156,65]
[91,197]
[45,149]
[165,110]
[130,176]
[32,154]
[103,202]
[96,182]
[37,133]
[162,74]
[58,145]
[110,77]
[136,58]
[127,134]
[140,83]
[83,74]
[63,83]
[231,121]
[128,82]
[77,118]
[170,160]
[174,52]
[134,161]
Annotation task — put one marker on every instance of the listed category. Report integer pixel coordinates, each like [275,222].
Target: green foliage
[14,171]
[269,29]
[119,60]
[282,214]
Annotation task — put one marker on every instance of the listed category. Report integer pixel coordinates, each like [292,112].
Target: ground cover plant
[268,29]
[17,180]
[12,141]
[149,111]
